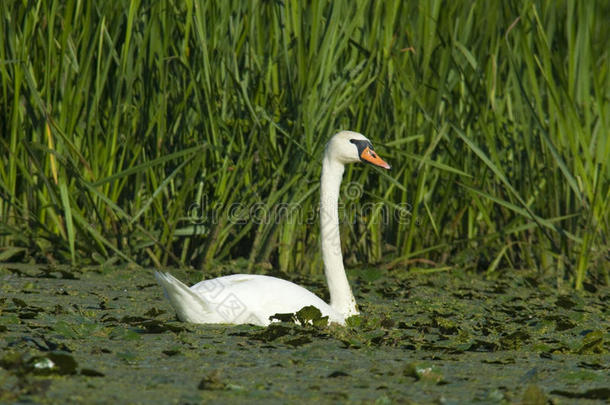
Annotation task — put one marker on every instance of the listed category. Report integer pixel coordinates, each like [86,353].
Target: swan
[253,299]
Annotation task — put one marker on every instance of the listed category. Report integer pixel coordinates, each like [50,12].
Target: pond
[86,335]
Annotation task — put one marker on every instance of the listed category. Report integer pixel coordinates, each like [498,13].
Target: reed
[183,133]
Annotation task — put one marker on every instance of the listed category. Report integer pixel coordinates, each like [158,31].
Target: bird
[255,299]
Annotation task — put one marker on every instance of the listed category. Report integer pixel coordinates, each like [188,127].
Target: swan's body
[240,298]
[245,298]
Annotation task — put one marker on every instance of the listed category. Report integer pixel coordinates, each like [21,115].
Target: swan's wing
[263,296]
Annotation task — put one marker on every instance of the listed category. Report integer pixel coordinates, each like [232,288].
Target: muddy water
[91,336]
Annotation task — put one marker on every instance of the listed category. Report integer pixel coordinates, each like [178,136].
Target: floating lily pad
[54,363]
[311,315]
[423,372]
[534,395]
[592,343]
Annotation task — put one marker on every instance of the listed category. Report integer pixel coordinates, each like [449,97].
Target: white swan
[248,298]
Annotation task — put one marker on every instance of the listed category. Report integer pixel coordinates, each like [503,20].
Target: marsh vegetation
[100,337]
[176,133]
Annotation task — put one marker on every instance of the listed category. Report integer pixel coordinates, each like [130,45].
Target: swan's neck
[341,297]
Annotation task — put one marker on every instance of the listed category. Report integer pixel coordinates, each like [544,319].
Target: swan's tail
[189,306]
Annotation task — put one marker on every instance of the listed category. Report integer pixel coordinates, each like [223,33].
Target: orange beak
[368,155]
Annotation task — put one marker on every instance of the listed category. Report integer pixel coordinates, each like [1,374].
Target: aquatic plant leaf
[54,363]
[273,332]
[565,302]
[592,343]
[533,395]
[156,326]
[153,325]
[354,321]
[91,373]
[445,325]
[423,372]
[595,393]
[65,362]
[12,360]
[505,360]
[171,352]
[593,366]
[288,317]
[212,382]
[374,336]
[299,341]
[19,302]
[154,312]
[122,333]
[338,373]
[311,315]
[514,341]
[127,356]
[66,330]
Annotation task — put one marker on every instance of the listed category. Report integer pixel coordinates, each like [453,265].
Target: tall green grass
[183,133]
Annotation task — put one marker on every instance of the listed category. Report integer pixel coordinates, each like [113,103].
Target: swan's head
[351,147]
